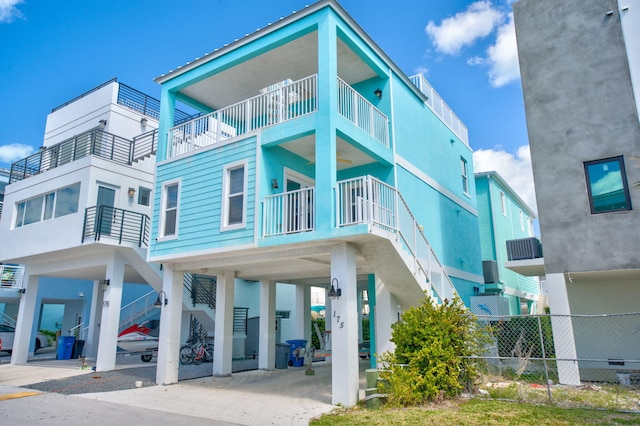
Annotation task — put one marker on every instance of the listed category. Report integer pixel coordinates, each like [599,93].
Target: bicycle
[196,350]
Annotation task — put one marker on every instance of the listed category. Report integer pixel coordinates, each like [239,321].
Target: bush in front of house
[431,357]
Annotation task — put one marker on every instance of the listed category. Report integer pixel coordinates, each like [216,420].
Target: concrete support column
[344,330]
[303,313]
[267,354]
[563,337]
[95,313]
[110,317]
[371,293]
[386,313]
[170,326]
[24,322]
[223,348]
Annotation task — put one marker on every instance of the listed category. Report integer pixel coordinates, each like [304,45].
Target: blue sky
[51,52]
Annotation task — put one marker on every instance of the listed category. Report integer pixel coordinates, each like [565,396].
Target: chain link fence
[570,360]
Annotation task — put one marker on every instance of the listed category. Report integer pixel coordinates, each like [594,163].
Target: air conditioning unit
[490,271]
[524,248]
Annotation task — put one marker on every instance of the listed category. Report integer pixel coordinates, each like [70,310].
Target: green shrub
[524,332]
[315,343]
[430,361]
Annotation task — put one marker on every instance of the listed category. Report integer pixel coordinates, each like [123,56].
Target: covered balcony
[276,104]
[360,201]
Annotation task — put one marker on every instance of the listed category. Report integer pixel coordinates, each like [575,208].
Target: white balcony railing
[289,212]
[369,200]
[283,103]
[362,113]
[11,276]
[441,109]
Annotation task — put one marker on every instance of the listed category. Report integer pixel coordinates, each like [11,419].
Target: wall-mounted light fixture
[22,291]
[334,291]
[162,300]
[378,93]
[104,284]
[131,192]
[143,121]
[274,184]
[102,123]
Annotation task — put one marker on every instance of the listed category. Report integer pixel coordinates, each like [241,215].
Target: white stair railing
[137,309]
[6,319]
[369,200]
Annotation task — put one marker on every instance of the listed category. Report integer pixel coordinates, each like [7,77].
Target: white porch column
[24,322]
[563,338]
[344,329]
[386,314]
[267,354]
[110,319]
[170,326]
[223,343]
[93,330]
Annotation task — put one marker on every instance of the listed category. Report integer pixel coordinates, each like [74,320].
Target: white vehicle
[8,332]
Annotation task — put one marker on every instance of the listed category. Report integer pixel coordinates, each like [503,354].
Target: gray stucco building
[580,68]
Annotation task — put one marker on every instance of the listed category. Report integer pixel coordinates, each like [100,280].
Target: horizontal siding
[201,199]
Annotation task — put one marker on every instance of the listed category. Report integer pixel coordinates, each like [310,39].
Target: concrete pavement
[287,396]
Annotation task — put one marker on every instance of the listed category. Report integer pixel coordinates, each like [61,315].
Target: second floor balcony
[116,224]
[280,103]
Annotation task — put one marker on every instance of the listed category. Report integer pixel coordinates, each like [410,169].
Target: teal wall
[497,228]
[200,206]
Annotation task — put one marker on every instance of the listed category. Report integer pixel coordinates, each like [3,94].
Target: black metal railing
[240,316]
[92,142]
[145,104]
[203,290]
[145,145]
[110,222]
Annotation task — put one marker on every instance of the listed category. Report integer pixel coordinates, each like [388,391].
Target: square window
[607,185]
[144,196]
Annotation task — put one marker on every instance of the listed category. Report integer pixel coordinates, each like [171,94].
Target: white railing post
[368,180]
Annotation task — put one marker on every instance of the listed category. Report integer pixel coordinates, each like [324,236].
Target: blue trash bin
[65,347]
[296,352]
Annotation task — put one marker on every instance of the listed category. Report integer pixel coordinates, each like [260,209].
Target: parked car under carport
[7,334]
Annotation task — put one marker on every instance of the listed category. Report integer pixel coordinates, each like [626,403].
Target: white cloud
[463,29]
[15,151]
[515,169]
[9,11]
[502,56]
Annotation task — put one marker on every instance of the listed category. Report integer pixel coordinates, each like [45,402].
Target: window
[234,199]
[607,185]
[521,221]
[144,196]
[58,203]
[503,204]
[169,214]
[465,178]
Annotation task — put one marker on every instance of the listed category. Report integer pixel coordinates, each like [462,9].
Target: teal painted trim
[288,130]
[371,293]
[326,127]
[167,109]
[314,236]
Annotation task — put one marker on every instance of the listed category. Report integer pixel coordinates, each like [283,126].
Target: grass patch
[477,412]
